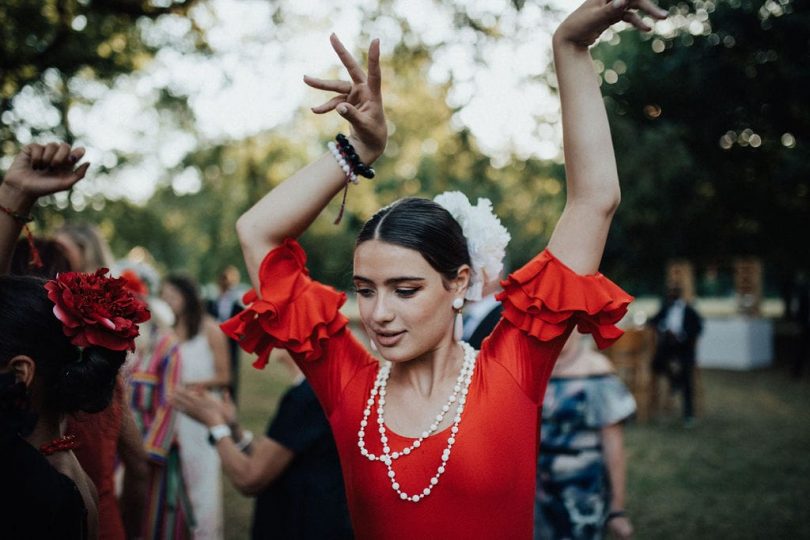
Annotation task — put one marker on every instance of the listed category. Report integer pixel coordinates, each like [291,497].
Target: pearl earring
[458,325]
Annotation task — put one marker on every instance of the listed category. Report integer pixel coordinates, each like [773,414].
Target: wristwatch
[217,433]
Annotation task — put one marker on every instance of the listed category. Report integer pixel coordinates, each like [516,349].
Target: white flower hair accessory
[486,238]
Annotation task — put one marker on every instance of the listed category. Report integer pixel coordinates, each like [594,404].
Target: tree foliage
[711,129]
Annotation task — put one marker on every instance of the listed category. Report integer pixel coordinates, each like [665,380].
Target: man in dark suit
[678,327]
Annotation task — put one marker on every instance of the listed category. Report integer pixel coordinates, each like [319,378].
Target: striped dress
[154,376]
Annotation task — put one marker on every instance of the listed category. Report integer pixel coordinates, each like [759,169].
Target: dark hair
[71,380]
[191,300]
[424,226]
[51,252]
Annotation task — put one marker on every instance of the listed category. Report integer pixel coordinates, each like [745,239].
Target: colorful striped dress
[155,374]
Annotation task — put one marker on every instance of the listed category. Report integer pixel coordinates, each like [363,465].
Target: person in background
[581,467]
[57,357]
[204,364]
[52,255]
[154,375]
[678,326]
[85,247]
[227,304]
[294,471]
[111,434]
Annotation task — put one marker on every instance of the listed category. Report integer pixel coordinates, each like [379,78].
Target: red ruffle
[293,313]
[544,297]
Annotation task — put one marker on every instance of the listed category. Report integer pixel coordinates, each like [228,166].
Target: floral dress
[573,489]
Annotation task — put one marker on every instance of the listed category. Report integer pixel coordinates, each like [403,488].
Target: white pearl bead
[391,474]
[395,485]
[406,451]
[416,443]
[434,481]
[403,496]
[426,491]
[441,469]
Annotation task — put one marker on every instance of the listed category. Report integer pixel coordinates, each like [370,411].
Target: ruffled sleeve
[293,312]
[545,297]
[609,402]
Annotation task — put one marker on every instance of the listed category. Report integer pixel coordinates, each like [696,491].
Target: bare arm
[291,207]
[613,447]
[36,171]
[219,346]
[592,182]
[251,473]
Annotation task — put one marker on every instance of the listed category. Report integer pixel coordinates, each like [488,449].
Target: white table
[739,343]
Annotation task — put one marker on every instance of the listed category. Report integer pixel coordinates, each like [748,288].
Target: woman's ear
[462,280]
[24,369]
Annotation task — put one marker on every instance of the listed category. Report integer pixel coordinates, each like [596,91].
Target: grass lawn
[742,472]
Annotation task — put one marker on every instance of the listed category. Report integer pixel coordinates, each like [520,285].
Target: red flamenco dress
[488,488]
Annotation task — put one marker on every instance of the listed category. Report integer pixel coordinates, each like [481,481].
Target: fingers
[49,153]
[79,173]
[35,152]
[349,112]
[354,69]
[374,74]
[60,158]
[77,154]
[633,18]
[329,105]
[342,87]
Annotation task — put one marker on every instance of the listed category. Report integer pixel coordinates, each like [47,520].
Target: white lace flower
[486,238]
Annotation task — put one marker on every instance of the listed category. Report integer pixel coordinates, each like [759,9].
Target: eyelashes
[402,292]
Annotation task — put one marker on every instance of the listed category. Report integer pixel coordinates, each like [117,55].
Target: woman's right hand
[358,101]
[40,170]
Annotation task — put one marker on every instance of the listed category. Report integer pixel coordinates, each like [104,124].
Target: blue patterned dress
[573,488]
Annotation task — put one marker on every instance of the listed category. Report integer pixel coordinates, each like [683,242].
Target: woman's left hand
[620,527]
[358,101]
[584,26]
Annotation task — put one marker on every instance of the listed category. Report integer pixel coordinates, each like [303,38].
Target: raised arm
[291,207]
[37,170]
[592,182]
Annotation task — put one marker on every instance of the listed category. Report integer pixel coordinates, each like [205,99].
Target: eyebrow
[390,281]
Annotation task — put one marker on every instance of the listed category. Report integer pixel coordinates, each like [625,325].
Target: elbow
[243,229]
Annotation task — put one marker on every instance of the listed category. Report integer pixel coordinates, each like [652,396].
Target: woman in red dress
[438,440]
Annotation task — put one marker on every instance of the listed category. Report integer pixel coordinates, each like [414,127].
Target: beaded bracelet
[348,151]
[24,220]
[341,159]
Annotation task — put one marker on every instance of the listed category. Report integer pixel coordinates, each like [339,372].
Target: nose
[382,313]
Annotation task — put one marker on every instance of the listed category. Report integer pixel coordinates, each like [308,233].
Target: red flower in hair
[97,310]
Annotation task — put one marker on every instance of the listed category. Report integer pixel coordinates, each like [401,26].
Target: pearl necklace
[458,397]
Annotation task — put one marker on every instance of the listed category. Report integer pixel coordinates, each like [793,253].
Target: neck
[48,428]
[426,372]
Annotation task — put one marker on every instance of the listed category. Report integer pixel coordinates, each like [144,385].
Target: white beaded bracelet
[347,169]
